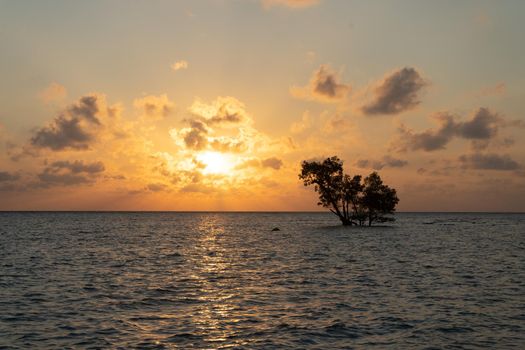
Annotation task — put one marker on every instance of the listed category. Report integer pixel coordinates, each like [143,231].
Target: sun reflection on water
[211,271]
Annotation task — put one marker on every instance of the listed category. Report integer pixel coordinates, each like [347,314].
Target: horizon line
[248,211]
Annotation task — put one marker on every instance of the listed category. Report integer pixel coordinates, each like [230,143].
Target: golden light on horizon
[216,163]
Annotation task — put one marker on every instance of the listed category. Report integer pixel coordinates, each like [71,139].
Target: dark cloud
[195,137]
[431,139]
[397,93]
[62,133]
[67,179]
[6,176]
[74,128]
[365,163]
[324,86]
[481,129]
[394,163]
[69,173]
[489,162]
[86,107]
[387,161]
[156,187]
[325,83]
[78,166]
[273,162]
[482,126]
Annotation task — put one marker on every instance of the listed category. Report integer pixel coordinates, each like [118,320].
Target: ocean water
[225,280]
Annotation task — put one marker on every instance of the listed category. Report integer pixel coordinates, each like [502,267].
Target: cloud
[78,166]
[324,86]
[249,163]
[225,144]
[198,188]
[290,3]
[489,161]
[50,179]
[182,64]
[156,187]
[87,107]
[63,133]
[6,176]
[194,136]
[155,107]
[74,128]
[54,92]
[224,111]
[218,131]
[394,163]
[428,140]
[480,129]
[208,120]
[483,125]
[68,173]
[221,125]
[396,93]
[386,161]
[273,162]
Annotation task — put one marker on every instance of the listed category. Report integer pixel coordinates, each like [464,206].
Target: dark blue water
[225,280]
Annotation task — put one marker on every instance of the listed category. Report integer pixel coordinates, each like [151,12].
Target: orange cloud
[182,64]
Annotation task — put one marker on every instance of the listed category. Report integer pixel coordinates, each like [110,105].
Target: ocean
[226,280]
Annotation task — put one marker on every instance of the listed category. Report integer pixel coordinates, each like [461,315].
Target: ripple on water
[223,280]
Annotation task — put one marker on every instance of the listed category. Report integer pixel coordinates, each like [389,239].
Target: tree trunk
[345,221]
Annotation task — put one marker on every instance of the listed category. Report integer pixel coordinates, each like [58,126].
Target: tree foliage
[354,200]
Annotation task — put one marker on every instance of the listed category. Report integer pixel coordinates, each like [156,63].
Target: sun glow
[216,163]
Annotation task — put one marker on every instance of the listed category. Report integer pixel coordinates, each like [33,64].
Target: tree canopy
[354,200]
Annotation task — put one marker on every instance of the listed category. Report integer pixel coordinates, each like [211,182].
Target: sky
[212,105]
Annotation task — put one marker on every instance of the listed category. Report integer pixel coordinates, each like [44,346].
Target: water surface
[225,280]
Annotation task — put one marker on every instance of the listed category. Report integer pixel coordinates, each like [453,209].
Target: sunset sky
[212,105]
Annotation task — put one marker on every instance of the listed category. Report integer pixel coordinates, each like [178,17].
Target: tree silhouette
[354,202]
[378,200]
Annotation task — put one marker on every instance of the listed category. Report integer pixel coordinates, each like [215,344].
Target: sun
[216,163]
